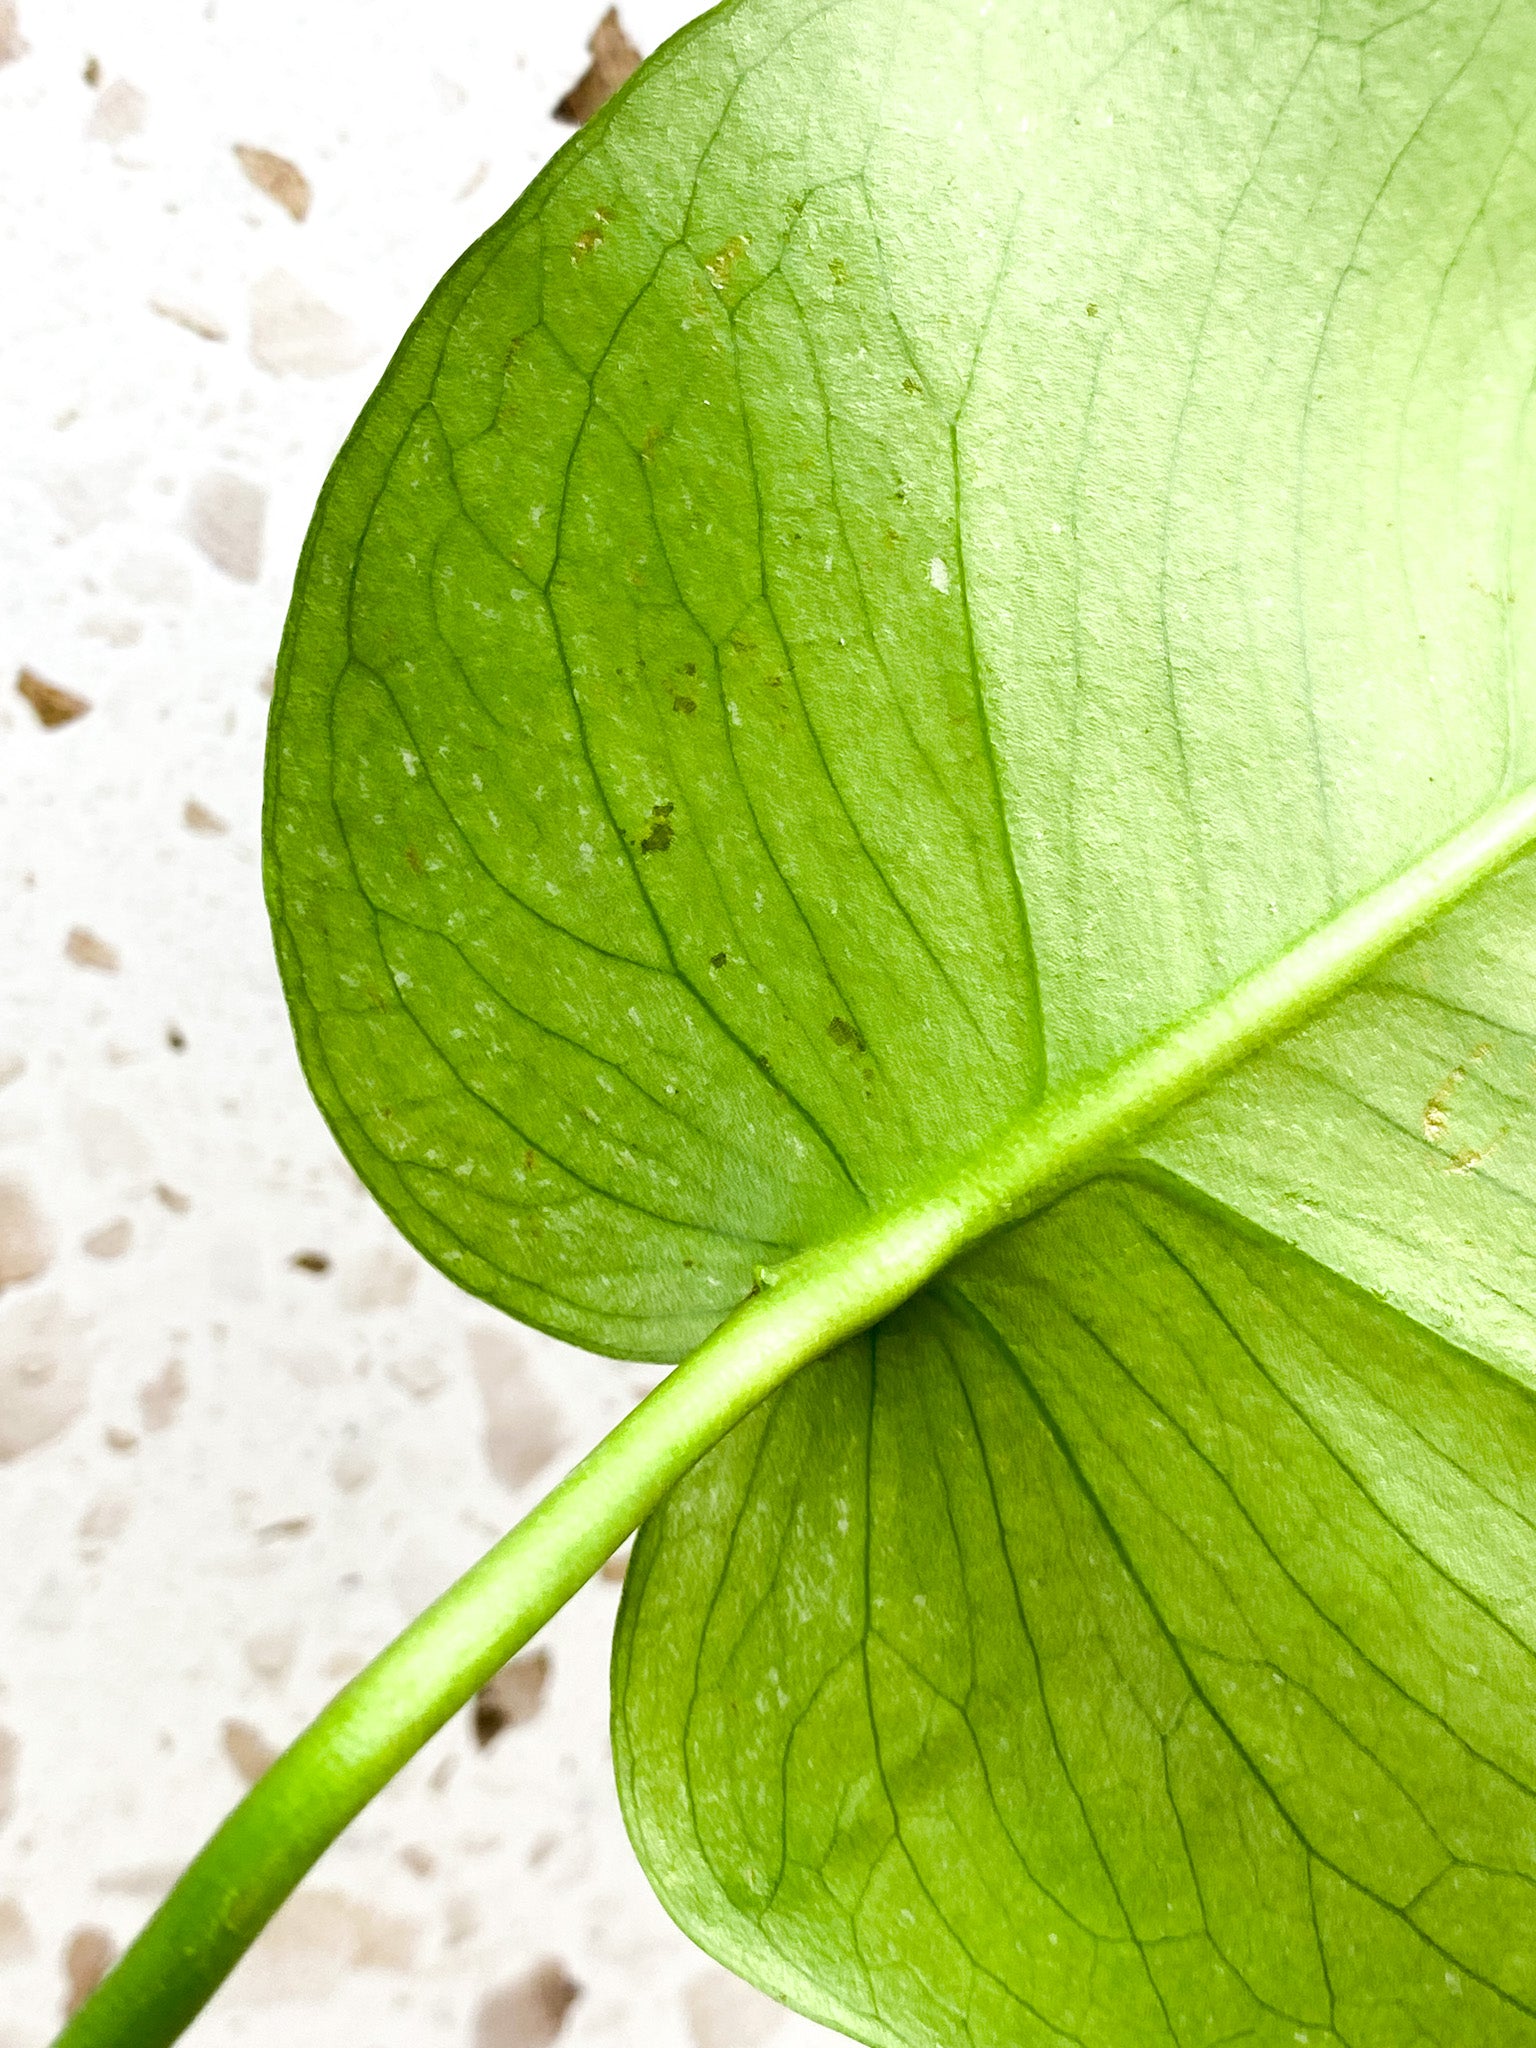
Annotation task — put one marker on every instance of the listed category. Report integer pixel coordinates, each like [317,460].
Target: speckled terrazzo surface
[244,1432]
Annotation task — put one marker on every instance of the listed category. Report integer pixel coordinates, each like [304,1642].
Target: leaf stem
[358,1743]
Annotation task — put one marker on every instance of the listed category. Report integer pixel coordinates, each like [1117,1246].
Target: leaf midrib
[833,1290]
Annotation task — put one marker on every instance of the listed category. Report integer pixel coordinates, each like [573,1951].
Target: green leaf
[938,578]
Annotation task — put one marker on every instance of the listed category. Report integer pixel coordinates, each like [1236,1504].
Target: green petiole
[265,1847]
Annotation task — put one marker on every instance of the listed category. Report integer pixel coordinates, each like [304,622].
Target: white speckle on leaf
[938,575]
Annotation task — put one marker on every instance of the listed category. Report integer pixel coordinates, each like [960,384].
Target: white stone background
[226,1480]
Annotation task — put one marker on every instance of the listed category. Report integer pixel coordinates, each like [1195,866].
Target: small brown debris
[175,1038]
[87,950]
[353,1467]
[421,1377]
[512,1697]
[198,818]
[88,1955]
[529,2012]
[107,1516]
[53,704]
[723,2012]
[119,112]
[277,177]
[26,1244]
[160,1399]
[43,1376]
[311,1262]
[90,71]
[613,1571]
[169,1198]
[315,1939]
[248,1750]
[201,324]
[294,334]
[226,518]
[385,1278]
[522,1425]
[15,1935]
[271,1653]
[111,1241]
[12,45]
[285,1530]
[119,1439]
[418,1861]
[10,1758]
[614,59]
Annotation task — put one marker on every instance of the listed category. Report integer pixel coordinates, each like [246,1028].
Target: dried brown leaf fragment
[279,178]
[614,59]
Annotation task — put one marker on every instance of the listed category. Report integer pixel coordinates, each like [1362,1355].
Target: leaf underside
[932,541]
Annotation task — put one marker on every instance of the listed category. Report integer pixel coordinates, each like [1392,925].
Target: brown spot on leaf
[88,1955]
[198,818]
[87,950]
[247,1749]
[311,1262]
[26,1245]
[53,704]
[530,2012]
[614,59]
[413,861]
[662,832]
[277,177]
[512,1697]
[687,706]
[725,260]
[841,1032]
[717,960]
